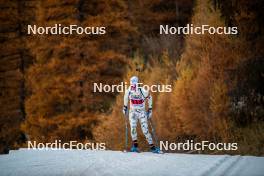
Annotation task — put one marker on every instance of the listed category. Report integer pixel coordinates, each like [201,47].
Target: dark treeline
[15,59]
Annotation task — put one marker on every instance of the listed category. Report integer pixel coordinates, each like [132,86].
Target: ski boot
[134,147]
[154,149]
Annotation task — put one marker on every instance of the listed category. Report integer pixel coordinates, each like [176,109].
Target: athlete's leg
[144,127]
[133,125]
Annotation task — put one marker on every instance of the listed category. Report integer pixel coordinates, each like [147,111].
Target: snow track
[107,163]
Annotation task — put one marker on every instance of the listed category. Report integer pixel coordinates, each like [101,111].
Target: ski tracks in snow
[223,167]
[115,163]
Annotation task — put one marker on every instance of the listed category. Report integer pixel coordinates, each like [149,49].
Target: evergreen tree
[62,104]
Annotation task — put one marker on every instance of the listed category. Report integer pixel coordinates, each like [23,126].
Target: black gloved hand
[149,113]
[125,110]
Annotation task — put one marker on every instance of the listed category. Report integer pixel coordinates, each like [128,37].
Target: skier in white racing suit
[138,96]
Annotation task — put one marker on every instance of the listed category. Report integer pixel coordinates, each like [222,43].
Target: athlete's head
[133,81]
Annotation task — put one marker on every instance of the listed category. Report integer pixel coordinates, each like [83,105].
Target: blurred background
[46,81]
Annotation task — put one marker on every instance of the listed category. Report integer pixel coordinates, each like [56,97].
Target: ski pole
[153,131]
[126,133]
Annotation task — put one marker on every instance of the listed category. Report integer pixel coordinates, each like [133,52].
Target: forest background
[46,81]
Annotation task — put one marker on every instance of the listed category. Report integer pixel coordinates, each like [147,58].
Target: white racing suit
[137,112]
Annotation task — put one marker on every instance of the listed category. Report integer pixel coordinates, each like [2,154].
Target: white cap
[133,80]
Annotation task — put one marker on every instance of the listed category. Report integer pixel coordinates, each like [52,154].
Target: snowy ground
[105,163]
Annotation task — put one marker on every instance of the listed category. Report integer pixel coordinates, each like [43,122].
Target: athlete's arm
[148,96]
[149,101]
[149,112]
